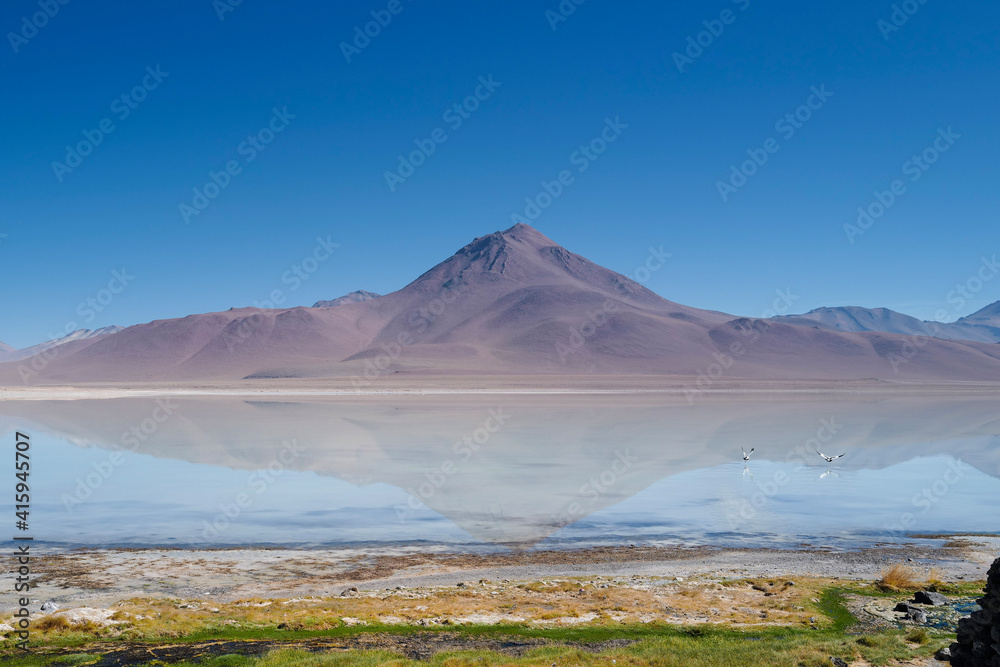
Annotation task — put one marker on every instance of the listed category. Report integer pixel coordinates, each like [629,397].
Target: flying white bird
[829,459]
[746,456]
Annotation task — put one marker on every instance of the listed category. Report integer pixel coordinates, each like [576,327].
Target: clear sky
[345,115]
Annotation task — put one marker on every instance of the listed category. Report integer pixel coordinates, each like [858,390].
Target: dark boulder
[978,637]
[928,597]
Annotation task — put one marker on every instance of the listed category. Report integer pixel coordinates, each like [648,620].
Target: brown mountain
[509,302]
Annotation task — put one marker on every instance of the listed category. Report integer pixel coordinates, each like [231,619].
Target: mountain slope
[988,316]
[11,354]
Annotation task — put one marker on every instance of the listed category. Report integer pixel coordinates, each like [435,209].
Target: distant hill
[982,326]
[353,297]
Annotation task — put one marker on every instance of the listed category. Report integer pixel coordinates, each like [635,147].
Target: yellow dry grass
[899,577]
[563,602]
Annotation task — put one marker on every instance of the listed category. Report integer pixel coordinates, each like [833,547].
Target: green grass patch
[653,645]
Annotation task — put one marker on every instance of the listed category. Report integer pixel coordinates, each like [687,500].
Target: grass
[655,645]
[899,578]
[694,647]
[808,622]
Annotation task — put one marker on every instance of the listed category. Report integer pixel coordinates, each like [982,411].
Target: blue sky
[551,91]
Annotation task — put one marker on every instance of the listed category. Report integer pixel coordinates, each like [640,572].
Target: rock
[978,638]
[880,612]
[49,606]
[943,654]
[837,662]
[82,615]
[348,592]
[461,584]
[928,597]
[4,629]
[905,607]
[916,615]
[350,621]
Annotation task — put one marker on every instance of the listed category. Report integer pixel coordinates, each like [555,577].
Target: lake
[510,470]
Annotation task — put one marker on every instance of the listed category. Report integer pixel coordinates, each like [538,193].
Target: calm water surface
[509,470]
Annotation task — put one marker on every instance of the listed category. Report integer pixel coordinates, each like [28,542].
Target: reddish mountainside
[509,302]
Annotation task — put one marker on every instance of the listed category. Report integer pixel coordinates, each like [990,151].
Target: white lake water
[558,471]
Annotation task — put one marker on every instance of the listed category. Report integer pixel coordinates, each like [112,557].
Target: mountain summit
[510,302]
[353,297]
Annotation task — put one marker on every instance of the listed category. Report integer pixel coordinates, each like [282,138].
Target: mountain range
[515,302]
[983,325]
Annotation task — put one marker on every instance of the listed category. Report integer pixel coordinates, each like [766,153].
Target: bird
[829,459]
[746,456]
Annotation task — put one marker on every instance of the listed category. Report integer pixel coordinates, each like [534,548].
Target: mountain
[511,302]
[982,326]
[856,318]
[353,297]
[988,316]
[8,353]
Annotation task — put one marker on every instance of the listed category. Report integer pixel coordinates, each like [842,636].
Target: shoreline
[103,577]
[430,386]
